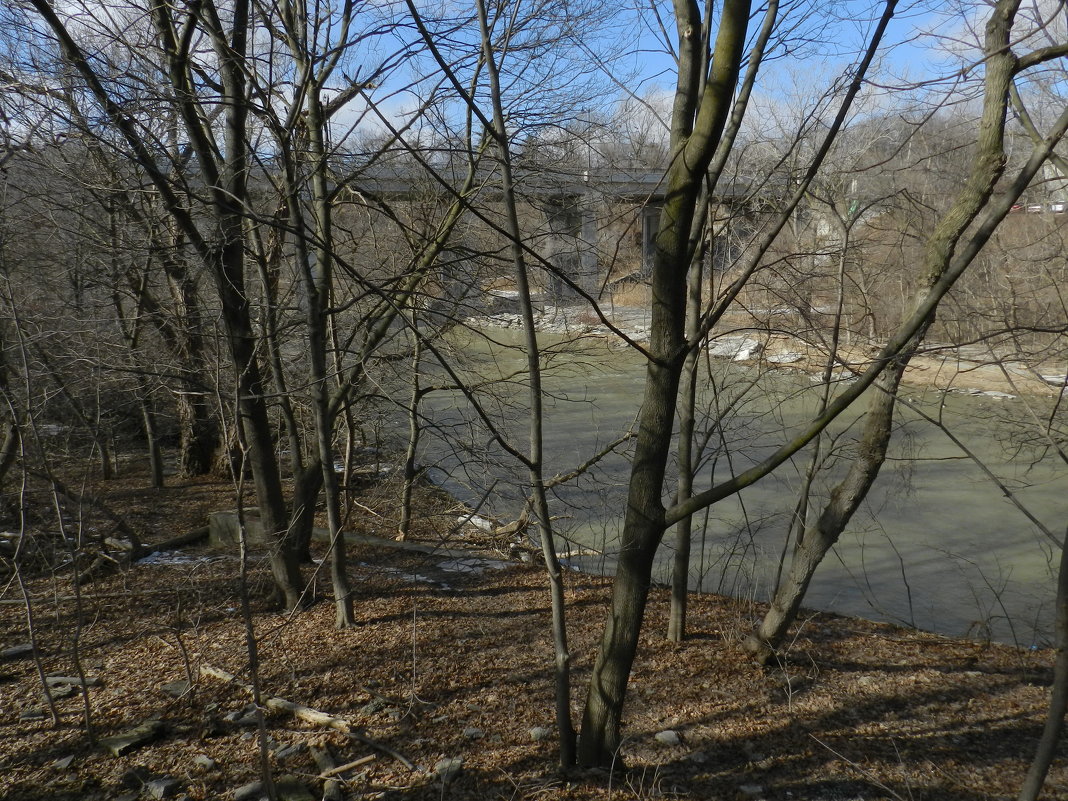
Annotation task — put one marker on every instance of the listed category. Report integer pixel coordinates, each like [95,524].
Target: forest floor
[458,665]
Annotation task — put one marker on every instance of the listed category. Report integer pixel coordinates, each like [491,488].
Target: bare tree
[698,119]
[817,537]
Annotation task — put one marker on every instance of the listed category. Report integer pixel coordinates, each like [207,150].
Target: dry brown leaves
[855,710]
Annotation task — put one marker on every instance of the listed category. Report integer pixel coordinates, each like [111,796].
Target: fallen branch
[196,535]
[103,596]
[309,715]
[385,749]
[364,760]
[299,711]
[80,500]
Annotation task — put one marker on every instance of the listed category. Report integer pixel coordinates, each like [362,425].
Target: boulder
[448,769]
[161,788]
[123,743]
[668,737]
[539,733]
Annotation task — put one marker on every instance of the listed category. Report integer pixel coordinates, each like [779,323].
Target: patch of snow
[786,357]
[736,348]
[416,577]
[176,558]
[473,566]
[478,521]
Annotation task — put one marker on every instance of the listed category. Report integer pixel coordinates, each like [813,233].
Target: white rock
[786,357]
[745,354]
[668,737]
[539,733]
[734,347]
[449,768]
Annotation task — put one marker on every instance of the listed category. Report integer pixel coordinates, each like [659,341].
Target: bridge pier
[570,245]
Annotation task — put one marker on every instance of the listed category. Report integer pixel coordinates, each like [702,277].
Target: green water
[936,546]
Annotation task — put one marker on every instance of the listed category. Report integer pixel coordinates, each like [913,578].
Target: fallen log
[196,535]
[131,550]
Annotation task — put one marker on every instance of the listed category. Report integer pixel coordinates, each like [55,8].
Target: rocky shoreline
[968,370]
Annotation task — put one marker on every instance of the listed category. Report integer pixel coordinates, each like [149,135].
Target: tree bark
[847,496]
[699,115]
[819,537]
[1058,702]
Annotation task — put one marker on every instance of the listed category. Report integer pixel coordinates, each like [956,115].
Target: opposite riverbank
[970,370]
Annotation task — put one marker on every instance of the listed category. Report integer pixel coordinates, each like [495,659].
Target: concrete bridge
[569,201]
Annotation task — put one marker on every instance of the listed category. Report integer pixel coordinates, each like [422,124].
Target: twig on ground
[364,760]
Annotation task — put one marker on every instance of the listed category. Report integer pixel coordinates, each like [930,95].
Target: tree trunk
[199,439]
[939,251]
[258,439]
[642,531]
[702,104]
[819,537]
[411,472]
[680,574]
[306,488]
[1058,702]
[155,458]
[230,195]
[535,459]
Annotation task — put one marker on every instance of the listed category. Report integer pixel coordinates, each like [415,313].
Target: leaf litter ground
[447,664]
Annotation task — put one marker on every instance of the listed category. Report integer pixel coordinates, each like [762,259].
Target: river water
[936,546]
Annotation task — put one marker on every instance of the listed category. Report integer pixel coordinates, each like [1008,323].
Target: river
[936,546]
